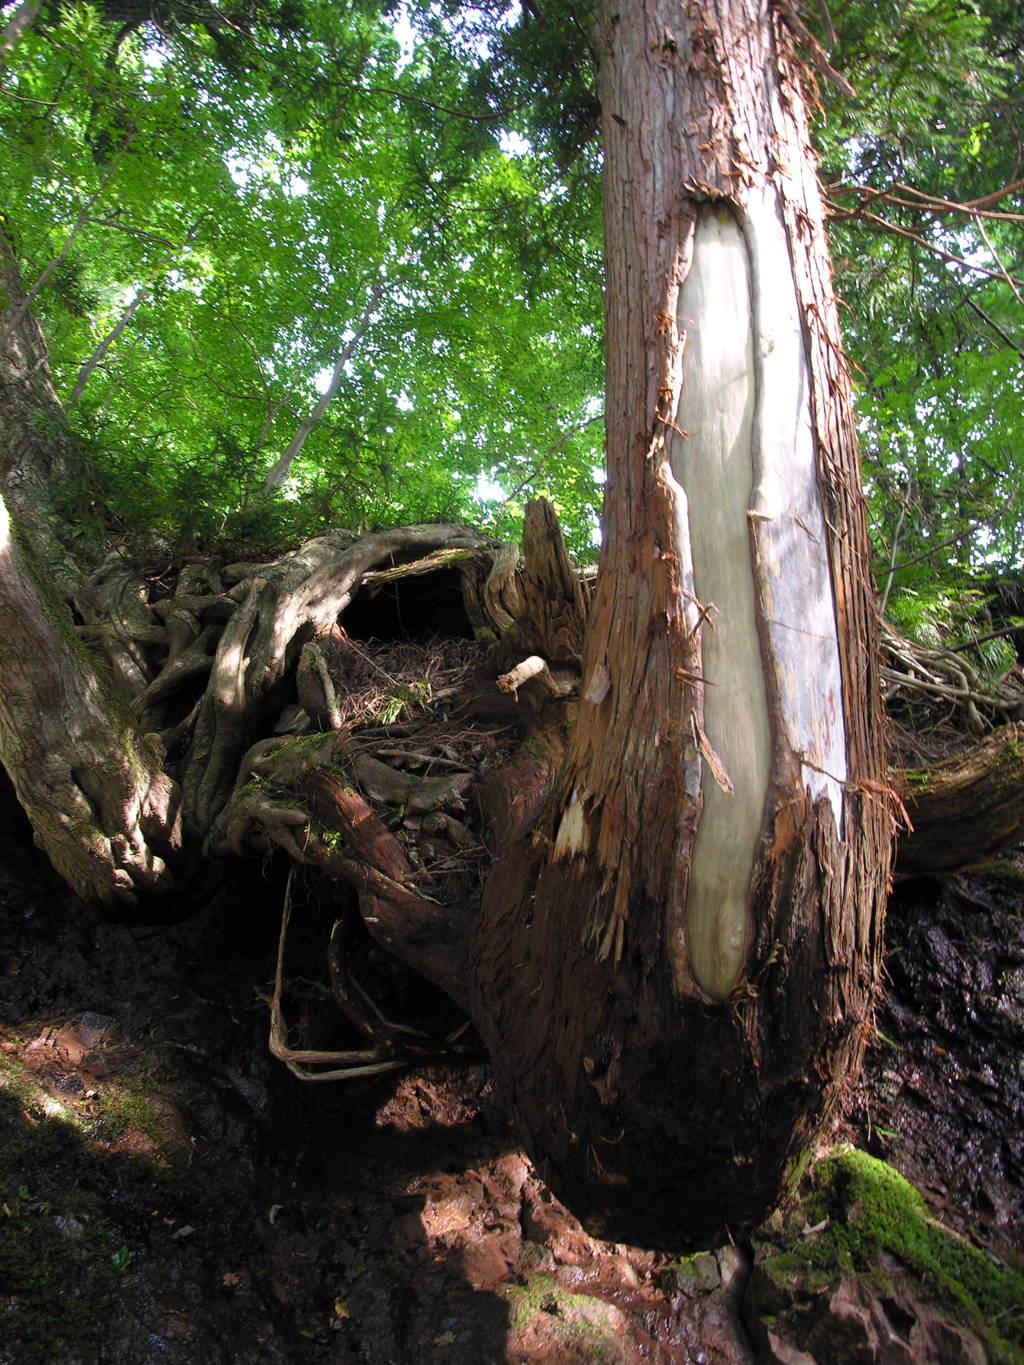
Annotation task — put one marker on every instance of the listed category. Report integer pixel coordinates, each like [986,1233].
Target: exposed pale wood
[676,1118]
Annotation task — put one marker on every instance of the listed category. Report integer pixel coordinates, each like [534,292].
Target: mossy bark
[99,801]
[966,811]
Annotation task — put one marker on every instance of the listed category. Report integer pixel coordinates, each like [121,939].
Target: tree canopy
[302,265]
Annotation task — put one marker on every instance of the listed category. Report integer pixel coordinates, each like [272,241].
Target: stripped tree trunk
[675,972]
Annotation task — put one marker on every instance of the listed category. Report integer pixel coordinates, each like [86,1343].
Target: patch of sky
[154,54]
[487,488]
[404,403]
[514,144]
[405,34]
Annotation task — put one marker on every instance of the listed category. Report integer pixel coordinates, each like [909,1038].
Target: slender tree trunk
[675,972]
[37,450]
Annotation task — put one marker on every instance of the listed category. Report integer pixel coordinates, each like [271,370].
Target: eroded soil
[169,1193]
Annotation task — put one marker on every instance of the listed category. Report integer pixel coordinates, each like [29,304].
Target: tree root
[356,1063]
[918,676]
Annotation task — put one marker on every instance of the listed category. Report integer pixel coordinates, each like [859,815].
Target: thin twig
[538,470]
[999,331]
[909,236]
[990,635]
[995,256]
[925,554]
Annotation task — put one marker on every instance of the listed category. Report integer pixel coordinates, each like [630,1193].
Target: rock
[846,1335]
[691,1276]
[448,827]
[855,1324]
[94,1028]
[533,1258]
[381,783]
[780,1353]
[948,1344]
[435,792]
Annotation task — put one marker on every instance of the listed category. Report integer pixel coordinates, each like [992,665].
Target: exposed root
[395,773]
[356,1063]
[940,700]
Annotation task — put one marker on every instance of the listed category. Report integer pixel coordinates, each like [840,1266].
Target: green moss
[404,696]
[575,1318]
[872,1209]
[532,748]
[130,1103]
[116,708]
[81,1216]
[56,1245]
[918,779]
[1004,872]
[691,1274]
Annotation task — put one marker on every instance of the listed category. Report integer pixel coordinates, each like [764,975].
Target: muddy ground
[169,1193]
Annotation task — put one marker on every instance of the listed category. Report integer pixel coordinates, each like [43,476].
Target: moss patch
[56,1244]
[575,1318]
[871,1209]
[1002,871]
[89,1190]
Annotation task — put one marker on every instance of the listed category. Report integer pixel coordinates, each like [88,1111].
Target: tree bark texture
[100,803]
[965,811]
[37,449]
[675,970]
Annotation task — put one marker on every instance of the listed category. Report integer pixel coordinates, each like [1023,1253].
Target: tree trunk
[99,801]
[675,971]
[37,450]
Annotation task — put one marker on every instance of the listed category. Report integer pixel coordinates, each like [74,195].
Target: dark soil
[169,1193]
[942,1095]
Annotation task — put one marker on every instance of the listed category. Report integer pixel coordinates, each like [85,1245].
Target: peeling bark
[664,1083]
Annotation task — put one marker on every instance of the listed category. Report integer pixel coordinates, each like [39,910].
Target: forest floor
[169,1193]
